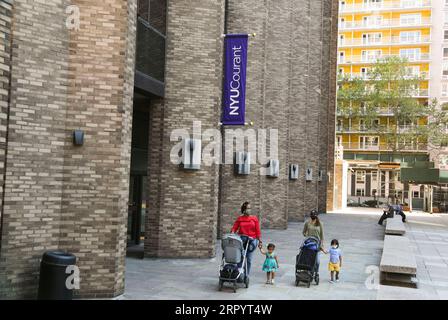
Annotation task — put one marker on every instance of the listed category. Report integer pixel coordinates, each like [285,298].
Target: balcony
[420,93]
[408,147]
[384,23]
[379,129]
[368,59]
[386,41]
[150,59]
[385,5]
[423,75]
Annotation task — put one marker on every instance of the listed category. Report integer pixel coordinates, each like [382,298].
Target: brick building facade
[55,80]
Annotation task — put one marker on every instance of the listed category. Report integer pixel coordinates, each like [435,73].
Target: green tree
[390,89]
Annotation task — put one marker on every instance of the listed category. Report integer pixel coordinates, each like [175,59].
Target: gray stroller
[233,268]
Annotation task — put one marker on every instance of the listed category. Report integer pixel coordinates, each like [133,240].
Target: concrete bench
[398,265]
[395,226]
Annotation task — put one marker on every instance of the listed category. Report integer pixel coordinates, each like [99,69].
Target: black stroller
[306,262]
[233,266]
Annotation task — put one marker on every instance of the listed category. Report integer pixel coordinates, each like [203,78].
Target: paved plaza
[361,240]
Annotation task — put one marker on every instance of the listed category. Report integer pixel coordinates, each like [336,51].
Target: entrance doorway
[138,187]
[136,209]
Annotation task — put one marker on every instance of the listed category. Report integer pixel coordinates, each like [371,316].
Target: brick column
[5,72]
[60,196]
[96,175]
[182,208]
[36,139]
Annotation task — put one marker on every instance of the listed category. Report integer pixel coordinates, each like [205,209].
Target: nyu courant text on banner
[234,88]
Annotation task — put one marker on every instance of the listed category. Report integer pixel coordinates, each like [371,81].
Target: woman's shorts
[334,267]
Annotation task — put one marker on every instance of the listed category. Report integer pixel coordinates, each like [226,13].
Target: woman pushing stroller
[314,228]
[248,227]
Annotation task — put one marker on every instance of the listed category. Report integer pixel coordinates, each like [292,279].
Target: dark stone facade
[290,88]
[57,195]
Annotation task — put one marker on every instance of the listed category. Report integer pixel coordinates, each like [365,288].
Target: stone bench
[398,265]
[395,226]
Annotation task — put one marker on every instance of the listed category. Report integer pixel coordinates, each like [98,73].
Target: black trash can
[53,276]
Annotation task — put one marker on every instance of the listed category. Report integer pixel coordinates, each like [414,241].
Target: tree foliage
[390,89]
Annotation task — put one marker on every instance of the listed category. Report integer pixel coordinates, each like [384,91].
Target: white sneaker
[268,282]
[272,281]
[331,281]
[337,280]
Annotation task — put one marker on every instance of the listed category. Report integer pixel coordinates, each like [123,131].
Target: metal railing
[366,76]
[421,93]
[375,58]
[355,128]
[382,41]
[384,5]
[384,23]
[358,146]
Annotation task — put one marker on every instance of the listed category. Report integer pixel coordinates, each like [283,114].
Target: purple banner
[234,88]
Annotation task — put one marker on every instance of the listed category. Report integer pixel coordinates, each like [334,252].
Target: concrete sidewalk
[361,240]
[429,239]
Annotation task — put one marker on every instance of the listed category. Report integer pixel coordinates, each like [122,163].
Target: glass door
[136,209]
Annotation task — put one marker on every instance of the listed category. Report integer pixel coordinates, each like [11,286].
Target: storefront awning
[423,173]
[389,165]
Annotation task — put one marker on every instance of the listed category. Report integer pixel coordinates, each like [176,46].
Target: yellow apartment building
[369,30]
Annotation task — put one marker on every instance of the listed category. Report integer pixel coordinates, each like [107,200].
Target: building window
[374,176]
[339,141]
[371,38]
[445,34]
[445,52]
[413,71]
[360,192]
[360,176]
[410,3]
[445,69]
[372,21]
[410,36]
[341,57]
[416,194]
[369,142]
[372,3]
[444,89]
[370,55]
[411,54]
[411,19]
[340,124]
[364,75]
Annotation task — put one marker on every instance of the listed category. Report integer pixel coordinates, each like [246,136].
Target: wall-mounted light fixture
[78,137]
[293,171]
[309,174]
[191,154]
[273,168]
[242,163]
[320,175]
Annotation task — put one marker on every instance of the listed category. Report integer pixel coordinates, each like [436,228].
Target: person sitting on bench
[389,213]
